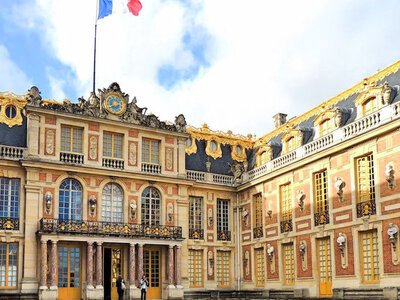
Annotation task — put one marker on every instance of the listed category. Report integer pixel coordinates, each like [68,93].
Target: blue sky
[229,63]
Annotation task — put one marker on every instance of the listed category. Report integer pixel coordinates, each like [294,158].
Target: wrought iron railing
[321,218]
[196,234]
[110,229]
[7,223]
[366,208]
[257,232]
[286,226]
[224,235]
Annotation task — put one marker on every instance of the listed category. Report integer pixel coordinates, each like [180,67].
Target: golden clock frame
[108,108]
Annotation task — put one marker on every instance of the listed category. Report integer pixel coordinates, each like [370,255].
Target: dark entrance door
[106,274]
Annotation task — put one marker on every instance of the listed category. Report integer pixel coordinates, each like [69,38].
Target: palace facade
[98,188]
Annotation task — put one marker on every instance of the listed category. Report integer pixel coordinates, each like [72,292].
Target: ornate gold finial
[250,136]
[229,132]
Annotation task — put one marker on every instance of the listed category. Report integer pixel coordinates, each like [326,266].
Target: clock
[114,104]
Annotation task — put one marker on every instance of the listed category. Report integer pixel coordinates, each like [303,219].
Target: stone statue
[389,174]
[237,170]
[33,96]
[387,90]
[180,123]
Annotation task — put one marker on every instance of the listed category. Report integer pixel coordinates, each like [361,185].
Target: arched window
[112,199]
[369,106]
[151,206]
[291,144]
[70,200]
[325,127]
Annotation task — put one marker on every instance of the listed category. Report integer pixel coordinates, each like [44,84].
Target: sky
[228,63]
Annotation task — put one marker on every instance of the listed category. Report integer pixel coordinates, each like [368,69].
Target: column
[43,267]
[140,261]
[99,266]
[89,265]
[170,265]
[178,266]
[53,265]
[132,265]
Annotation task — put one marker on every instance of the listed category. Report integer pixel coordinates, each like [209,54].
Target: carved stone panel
[50,141]
[132,154]
[169,159]
[93,147]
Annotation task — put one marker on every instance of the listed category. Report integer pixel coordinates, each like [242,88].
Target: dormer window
[213,146]
[291,139]
[190,146]
[213,149]
[238,153]
[369,106]
[327,121]
[264,154]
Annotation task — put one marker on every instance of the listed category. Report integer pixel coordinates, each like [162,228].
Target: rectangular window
[223,232]
[321,198]
[196,268]
[151,151]
[9,197]
[8,265]
[365,185]
[288,264]
[112,145]
[71,139]
[286,207]
[223,268]
[325,127]
[369,256]
[258,216]
[259,259]
[195,217]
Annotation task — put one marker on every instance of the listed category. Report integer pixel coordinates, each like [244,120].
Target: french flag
[108,7]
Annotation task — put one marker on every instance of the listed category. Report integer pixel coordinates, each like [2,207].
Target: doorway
[112,267]
[69,272]
[325,267]
[152,270]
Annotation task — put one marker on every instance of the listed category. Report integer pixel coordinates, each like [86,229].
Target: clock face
[115,105]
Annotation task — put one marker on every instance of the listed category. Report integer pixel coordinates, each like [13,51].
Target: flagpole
[94,54]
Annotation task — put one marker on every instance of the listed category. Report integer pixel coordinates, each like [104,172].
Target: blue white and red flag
[108,7]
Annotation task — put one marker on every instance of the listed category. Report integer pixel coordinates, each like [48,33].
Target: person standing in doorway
[120,287]
[144,284]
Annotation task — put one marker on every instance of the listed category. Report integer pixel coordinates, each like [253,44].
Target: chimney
[279,119]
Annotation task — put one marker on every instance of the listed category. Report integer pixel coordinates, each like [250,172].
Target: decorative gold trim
[235,156]
[331,102]
[325,114]
[264,148]
[193,148]
[214,154]
[291,133]
[10,99]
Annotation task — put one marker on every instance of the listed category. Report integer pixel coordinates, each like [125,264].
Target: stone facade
[106,190]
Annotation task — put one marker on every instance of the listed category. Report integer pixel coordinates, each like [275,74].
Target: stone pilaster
[170,265]
[43,267]
[53,265]
[99,267]
[140,261]
[89,266]
[178,276]
[33,134]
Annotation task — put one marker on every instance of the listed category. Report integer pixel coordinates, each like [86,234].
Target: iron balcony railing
[286,226]
[257,232]
[8,223]
[321,218]
[366,208]
[224,235]
[196,234]
[110,229]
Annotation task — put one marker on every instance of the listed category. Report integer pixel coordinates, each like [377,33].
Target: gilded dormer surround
[291,139]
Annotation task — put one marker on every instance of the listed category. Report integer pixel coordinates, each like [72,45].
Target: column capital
[99,243]
[132,244]
[140,245]
[170,246]
[90,243]
[43,241]
[178,246]
[53,241]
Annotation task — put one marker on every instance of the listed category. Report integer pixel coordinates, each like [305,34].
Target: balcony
[14,153]
[224,235]
[110,229]
[286,226]
[209,177]
[257,232]
[113,163]
[7,223]
[71,158]
[196,234]
[366,208]
[321,218]
[151,168]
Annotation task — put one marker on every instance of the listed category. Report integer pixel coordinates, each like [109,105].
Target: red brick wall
[307,209]
[388,265]
[384,186]
[350,252]
[347,190]
[309,251]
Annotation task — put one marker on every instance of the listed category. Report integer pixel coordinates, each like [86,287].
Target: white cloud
[266,56]
[12,78]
